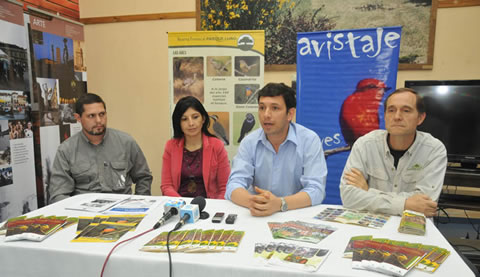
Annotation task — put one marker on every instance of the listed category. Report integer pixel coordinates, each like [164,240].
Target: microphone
[170,209]
[191,212]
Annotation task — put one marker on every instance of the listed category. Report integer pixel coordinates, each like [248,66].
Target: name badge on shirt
[416,167]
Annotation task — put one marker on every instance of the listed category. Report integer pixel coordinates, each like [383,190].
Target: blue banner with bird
[343,77]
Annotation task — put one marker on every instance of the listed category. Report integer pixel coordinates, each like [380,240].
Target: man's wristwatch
[284,206]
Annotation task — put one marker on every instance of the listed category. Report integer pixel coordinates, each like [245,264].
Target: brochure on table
[114,204]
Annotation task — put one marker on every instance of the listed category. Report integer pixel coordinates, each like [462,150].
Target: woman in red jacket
[195,162]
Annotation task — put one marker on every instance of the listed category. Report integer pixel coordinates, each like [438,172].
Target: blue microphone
[191,212]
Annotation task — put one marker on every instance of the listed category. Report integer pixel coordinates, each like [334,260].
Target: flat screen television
[453,116]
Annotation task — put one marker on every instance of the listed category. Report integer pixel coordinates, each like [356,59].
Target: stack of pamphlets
[69,220]
[412,223]
[290,255]
[393,257]
[98,204]
[433,260]
[105,228]
[134,204]
[300,231]
[3,227]
[35,228]
[196,241]
[348,253]
[84,221]
[103,232]
[388,258]
[353,217]
[115,204]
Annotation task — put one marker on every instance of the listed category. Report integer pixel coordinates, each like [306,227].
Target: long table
[58,256]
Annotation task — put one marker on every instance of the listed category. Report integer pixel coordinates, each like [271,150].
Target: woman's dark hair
[183,105]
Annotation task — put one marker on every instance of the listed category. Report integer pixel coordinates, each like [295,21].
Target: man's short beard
[93,133]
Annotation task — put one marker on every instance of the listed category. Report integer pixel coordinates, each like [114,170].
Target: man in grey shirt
[397,169]
[98,159]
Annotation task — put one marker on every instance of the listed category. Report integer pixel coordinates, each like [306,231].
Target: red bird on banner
[359,114]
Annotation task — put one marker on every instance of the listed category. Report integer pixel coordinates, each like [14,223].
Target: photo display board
[17,166]
[224,70]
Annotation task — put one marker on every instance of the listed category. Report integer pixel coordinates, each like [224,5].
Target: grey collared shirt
[420,170]
[111,166]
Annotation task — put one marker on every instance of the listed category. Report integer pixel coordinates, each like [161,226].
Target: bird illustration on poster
[219,129]
[247,126]
[187,82]
[220,67]
[251,95]
[248,91]
[245,68]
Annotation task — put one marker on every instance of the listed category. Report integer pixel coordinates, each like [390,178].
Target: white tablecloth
[57,256]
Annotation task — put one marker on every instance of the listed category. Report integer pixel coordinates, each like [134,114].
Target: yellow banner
[245,40]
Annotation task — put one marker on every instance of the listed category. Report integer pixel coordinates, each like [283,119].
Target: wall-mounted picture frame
[282,19]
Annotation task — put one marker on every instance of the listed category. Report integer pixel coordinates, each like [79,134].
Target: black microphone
[170,209]
[191,213]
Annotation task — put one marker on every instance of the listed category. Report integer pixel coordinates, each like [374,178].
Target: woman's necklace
[192,160]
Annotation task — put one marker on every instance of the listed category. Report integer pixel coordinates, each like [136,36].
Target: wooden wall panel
[457,3]
[66,8]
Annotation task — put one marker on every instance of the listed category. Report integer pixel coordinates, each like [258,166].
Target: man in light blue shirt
[280,166]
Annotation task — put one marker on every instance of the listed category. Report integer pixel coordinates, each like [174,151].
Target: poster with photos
[14,105]
[17,168]
[58,68]
[13,48]
[224,71]
[59,79]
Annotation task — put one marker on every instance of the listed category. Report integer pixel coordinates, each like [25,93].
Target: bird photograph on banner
[246,93]
[219,66]
[243,124]
[359,114]
[247,66]
[219,126]
[188,78]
